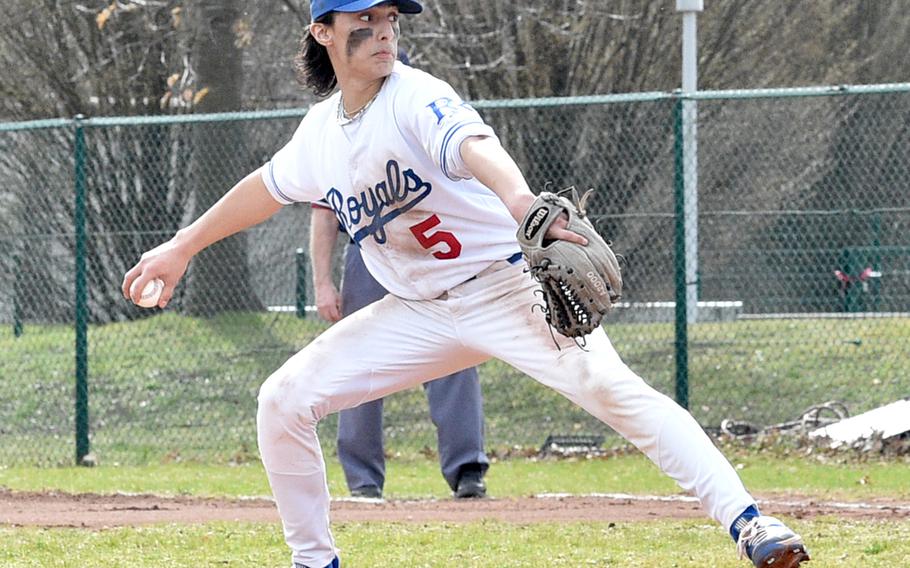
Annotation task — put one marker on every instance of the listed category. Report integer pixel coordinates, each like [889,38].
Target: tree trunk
[219,280]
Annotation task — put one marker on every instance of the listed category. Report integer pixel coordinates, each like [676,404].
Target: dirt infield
[100,511]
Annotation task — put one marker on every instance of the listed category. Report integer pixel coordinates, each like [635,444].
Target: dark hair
[312,64]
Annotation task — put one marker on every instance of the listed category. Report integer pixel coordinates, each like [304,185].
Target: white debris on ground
[883,422]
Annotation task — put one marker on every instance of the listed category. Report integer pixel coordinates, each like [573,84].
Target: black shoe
[471,486]
[367,492]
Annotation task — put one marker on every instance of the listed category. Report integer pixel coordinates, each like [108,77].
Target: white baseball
[151,294]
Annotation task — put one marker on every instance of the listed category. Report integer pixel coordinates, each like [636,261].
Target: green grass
[170,388]
[658,543]
[420,478]
[482,544]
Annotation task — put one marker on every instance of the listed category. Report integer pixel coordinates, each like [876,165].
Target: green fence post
[17,287]
[81,303]
[682,327]
[301,283]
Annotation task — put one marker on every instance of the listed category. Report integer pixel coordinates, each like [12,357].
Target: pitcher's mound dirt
[99,511]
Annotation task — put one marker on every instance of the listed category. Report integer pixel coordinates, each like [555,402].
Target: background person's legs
[456,408]
[361,450]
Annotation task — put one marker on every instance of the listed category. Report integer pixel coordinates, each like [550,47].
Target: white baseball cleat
[768,543]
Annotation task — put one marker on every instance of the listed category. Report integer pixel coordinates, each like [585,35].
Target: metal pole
[301,283]
[681,327]
[689,10]
[81,299]
[17,289]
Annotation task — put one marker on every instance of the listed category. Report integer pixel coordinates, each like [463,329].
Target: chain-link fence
[793,269]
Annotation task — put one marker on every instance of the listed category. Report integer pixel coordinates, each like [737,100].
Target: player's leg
[360,448]
[386,347]
[360,444]
[456,408]
[596,379]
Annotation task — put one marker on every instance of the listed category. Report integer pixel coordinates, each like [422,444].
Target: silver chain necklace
[345,117]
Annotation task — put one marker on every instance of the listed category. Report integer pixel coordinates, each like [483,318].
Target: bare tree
[494,50]
[66,59]
[220,277]
[127,58]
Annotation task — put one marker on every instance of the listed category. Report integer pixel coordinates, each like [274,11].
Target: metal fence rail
[801,294]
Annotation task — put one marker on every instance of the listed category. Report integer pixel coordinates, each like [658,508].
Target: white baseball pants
[395,344]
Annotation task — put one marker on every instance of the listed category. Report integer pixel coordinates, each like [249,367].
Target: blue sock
[742,520]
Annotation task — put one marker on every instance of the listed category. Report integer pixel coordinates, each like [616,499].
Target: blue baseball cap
[319,8]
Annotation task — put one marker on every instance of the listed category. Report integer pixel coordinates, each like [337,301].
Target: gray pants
[456,406]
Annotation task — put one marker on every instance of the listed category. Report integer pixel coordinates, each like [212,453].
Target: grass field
[172,401]
[171,388]
[657,543]
[420,478]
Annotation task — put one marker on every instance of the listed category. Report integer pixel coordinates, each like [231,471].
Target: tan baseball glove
[580,283]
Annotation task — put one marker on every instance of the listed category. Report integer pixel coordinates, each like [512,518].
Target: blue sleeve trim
[447,140]
[275,187]
[514,258]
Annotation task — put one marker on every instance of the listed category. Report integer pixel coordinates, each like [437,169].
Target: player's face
[366,43]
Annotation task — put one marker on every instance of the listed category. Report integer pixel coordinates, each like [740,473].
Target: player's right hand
[328,302]
[166,261]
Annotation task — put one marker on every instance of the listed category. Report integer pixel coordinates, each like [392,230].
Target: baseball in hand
[151,294]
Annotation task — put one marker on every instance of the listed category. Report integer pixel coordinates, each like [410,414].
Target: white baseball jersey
[396,181]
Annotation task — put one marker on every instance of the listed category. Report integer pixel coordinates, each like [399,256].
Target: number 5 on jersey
[428,240]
